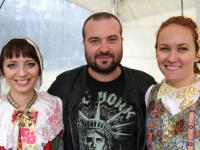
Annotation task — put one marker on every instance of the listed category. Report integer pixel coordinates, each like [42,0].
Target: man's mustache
[104,54]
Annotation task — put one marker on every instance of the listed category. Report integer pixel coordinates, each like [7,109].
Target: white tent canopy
[128,10]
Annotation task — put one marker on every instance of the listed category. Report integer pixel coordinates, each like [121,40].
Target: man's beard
[104,70]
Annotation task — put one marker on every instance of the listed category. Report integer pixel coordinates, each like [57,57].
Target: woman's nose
[21,71]
[172,56]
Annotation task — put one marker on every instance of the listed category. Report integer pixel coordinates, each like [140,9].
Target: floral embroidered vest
[172,132]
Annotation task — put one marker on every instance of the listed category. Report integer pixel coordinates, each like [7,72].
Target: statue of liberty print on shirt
[105,122]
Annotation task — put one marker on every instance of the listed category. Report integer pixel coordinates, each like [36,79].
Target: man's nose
[104,46]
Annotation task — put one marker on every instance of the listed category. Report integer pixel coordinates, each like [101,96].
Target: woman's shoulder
[46,95]
[47,104]
[4,103]
[49,118]
[151,93]
[47,98]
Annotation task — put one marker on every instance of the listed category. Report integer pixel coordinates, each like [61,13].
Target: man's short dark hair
[99,16]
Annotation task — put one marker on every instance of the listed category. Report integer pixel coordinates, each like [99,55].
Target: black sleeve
[140,132]
[138,84]
[56,87]
[144,82]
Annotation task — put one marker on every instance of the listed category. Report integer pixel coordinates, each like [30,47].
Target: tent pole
[115,7]
[182,8]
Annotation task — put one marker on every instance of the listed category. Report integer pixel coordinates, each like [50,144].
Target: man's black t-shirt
[106,121]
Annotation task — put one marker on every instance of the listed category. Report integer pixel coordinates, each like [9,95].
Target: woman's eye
[11,66]
[165,49]
[30,65]
[182,49]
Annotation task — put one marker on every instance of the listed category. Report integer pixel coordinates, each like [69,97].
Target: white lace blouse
[48,123]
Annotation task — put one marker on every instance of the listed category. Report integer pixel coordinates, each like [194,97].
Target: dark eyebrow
[92,38]
[113,36]
[11,61]
[32,60]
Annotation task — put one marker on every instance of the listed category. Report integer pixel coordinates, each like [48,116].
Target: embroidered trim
[191,128]
[168,133]
[14,104]
[172,127]
[186,94]
[26,120]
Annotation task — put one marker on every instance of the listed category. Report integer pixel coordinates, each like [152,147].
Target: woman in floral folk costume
[173,106]
[29,120]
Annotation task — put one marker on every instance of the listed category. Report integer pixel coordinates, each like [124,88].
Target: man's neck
[105,77]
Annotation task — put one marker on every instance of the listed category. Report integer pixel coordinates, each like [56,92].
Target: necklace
[14,104]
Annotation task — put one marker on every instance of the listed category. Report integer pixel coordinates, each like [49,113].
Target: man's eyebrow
[114,35]
[93,37]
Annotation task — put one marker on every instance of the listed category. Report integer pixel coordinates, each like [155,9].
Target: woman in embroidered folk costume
[173,106]
[29,120]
